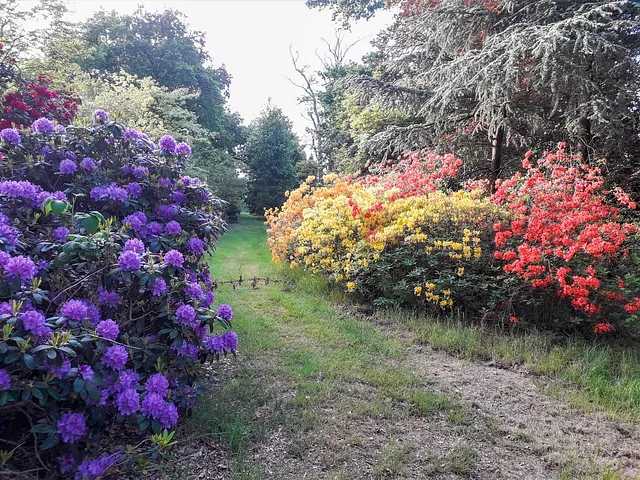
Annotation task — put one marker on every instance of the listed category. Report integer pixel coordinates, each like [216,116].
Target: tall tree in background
[487,78]
[271,153]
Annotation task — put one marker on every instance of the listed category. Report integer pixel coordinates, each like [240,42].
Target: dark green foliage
[271,154]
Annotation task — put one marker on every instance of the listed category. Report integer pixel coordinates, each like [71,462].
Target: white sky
[251,38]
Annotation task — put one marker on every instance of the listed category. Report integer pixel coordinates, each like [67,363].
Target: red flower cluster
[563,231]
[416,173]
[33,100]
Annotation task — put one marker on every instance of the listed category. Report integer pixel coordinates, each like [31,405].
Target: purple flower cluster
[159,287]
[225,312]
[134,245]
[88,164]
[68,167]
[167,143]
[186,315]
[59,371]
[71,427]
[34,322]
[19,189]
[95,469]
[60,234]
[173,228]
[173,258]
[100,116]
[21,269]
[136,221]
[42,125]
[5,380]
[133,189]
[128,401]
[157,383]
[10,135]
[165,182]
[86,372]
[75,310]
[183,149]
[129,260]
[109,298]
[115,357]
[195,246]
[108,329]
[130,134]
[109,192]
[140,171]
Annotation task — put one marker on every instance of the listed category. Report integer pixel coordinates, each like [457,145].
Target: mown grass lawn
[299,353]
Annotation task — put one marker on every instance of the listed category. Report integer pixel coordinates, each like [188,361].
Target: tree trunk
[584,137]
[496,158]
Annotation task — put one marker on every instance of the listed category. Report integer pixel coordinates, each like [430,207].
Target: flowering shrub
[391,237]
[565,236]
[549,246]
[106,305]
[30,100]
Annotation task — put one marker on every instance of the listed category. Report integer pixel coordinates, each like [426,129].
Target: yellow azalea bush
[392,238]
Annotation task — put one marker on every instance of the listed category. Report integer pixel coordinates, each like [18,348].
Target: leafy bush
[106,297]
[549,247]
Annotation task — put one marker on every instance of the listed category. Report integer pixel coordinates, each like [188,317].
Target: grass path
[320,391]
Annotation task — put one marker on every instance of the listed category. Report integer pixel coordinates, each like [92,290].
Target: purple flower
[153,406]
[71,427]
[178,197]
[224,311]
[159,287]
[42,196]
[195,245]
[230,340]
[34,322]
[169,416]
[95,469]
[157,383]
[42,125]
[183,149]
[108,329]
[60,234]
[208,299]
[140,171]
[130,134]
[68,167]
[134,245]
[128,169]
[165,182]
[133,189]
[115,357]
[20,268]
[187,349]
[166,212]
[214,344]
[67,463]
[88,164]
[5,380]
[10,135]
[154,228]
[128,401]
[174,258]
[75,310]
[167,143]
[173,228]
[129,261]
[60,129]
[10,235]
[100,116]
[86,372]
[109,192]
[136,221]
[59,371]
[127,379]
[194,291]
[108,298]
[19,189]
[186,315]
[93,313]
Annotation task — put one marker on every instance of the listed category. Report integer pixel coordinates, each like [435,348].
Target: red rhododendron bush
[550,247]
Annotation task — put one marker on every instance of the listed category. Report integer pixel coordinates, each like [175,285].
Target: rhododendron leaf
[49,442]
[28,360]
[78,384]
[144,424]
[37,394]
[90,223]
[93,392]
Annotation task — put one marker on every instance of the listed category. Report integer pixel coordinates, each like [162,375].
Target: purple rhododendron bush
[106,302]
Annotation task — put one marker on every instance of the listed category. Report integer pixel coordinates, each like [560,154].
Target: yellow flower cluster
[342,228]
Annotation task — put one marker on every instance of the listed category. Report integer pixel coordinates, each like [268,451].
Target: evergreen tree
[271,153]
